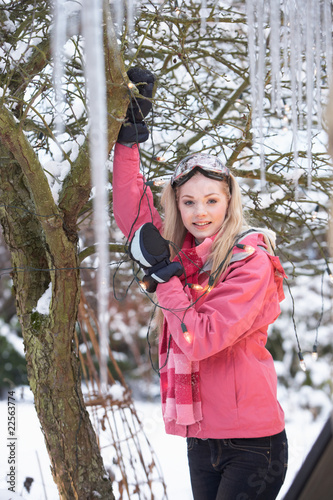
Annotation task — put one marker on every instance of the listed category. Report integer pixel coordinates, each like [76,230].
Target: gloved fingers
[140,75]
[151,251]
[138,109]
[134,128]
[146,89]
[148,247]
[153,242]
[133,132]
[144,81]
[165,273]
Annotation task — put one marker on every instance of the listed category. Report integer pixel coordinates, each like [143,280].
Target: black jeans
[237,469]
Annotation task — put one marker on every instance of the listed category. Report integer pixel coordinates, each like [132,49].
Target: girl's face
[203,205]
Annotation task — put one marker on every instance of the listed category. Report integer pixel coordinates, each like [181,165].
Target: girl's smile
[203,205]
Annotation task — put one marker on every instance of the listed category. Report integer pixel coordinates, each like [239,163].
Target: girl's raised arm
[132,199]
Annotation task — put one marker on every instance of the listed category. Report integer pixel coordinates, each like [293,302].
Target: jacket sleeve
[132,199]
[246,301]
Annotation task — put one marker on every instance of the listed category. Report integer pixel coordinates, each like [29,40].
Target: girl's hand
[151,251]
[134,128]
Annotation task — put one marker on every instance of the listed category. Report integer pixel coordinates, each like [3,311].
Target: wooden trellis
[128,456]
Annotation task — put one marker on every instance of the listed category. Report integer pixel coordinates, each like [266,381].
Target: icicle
[328,38]
[92,24]
[309,81]
[261,87]
[255,12]
[298,38]
[257,77]
[203,15]
[130,14]
[119,14]
[318,47]
[58,42]
[285,37]
[275,54]
[293,73]
[296,47]
[252,55]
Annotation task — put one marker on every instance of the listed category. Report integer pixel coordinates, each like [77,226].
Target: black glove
[151,251]
[134,128]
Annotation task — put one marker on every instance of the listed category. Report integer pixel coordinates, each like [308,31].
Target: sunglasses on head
[208,165]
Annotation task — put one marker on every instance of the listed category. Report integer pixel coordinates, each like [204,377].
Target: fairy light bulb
[195,286]
[143,286]
[314,352]
[285,123]
[187,335]
[157,182]
[247,248]
[315,212]
[130,85]
[177,11]
[210,285]
[160,158]
[301,361]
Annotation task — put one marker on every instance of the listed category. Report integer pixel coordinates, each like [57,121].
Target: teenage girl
[218,382]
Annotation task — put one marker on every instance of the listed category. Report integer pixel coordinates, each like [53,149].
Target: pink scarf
[180,389]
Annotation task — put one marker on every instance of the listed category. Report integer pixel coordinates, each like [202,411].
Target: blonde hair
[175,231]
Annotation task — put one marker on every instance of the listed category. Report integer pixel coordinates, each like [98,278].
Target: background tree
[202,103]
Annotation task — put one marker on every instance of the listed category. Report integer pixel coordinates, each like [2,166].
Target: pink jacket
[237,376]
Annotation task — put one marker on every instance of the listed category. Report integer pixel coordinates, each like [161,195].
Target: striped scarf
[180,387]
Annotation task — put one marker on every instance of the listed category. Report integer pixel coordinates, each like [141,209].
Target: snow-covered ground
[33,461]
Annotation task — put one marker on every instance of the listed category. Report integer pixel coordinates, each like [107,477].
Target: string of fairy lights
[207,289]
[203,290]
[211,277]
[211,281]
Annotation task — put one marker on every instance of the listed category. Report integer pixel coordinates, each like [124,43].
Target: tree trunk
[42,238]
[53,366]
